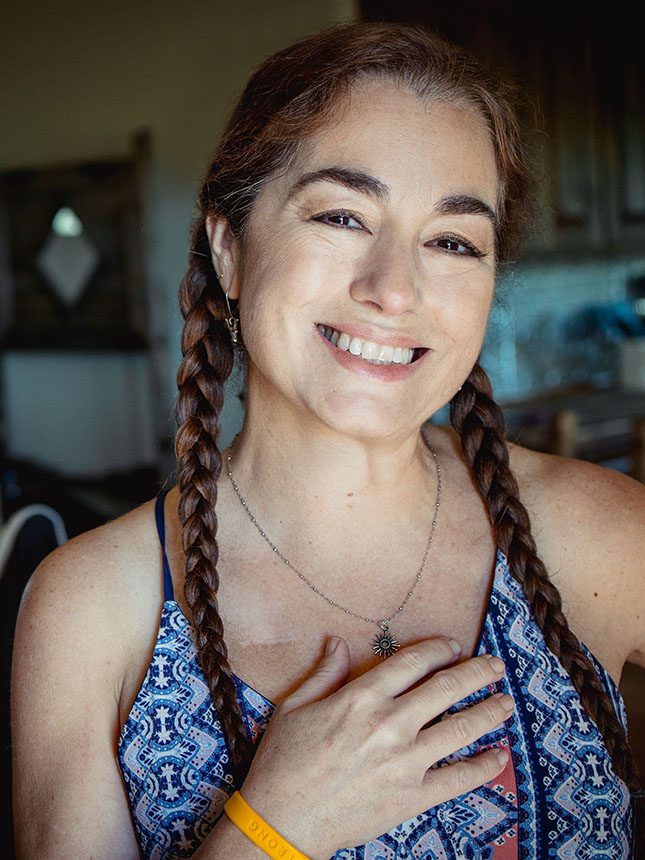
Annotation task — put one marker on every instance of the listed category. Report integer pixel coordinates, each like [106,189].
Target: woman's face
[388,256]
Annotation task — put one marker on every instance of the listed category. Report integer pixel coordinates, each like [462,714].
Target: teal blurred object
[614,321]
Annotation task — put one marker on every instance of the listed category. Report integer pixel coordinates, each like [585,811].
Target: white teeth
[368,350]
[385,354]
[343,341]
[355,346]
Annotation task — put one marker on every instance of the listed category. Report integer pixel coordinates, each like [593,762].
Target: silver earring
[232,322]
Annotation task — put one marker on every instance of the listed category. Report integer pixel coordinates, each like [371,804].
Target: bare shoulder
[590,504]
[589,524]
[102,565]
[86,625]
[104,582]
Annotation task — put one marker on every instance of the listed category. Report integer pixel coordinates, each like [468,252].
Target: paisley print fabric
[558,796]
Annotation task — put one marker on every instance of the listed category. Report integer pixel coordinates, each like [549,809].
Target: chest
[275,624]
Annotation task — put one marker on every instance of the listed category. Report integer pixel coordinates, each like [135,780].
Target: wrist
[287,824]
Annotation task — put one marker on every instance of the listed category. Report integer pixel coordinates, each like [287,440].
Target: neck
[299,481]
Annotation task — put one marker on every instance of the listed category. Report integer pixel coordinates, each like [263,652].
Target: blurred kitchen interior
[109,112]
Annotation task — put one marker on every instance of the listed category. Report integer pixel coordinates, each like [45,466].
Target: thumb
[327,677]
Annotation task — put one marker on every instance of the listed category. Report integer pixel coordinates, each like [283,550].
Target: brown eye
[339,218]
[451,245]
[455,245]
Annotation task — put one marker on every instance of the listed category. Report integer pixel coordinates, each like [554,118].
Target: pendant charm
[385,643]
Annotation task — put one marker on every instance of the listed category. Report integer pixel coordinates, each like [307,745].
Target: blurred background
[109,112]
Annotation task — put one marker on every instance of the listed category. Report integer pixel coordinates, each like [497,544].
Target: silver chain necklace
[385,643]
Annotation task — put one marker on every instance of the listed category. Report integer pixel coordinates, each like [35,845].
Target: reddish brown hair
[290,95]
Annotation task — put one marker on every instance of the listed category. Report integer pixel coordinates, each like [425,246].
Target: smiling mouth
[369,350]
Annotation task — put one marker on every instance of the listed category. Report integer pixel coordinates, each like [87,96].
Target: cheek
[282,291]
[276,295]
[463,306]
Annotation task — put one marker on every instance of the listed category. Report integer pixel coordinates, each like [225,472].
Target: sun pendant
[385,644]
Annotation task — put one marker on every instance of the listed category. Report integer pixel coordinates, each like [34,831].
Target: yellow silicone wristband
[258,831]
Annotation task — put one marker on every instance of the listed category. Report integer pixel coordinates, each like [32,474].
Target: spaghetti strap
[168,591]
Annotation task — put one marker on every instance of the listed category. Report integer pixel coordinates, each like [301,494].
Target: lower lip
[358,365]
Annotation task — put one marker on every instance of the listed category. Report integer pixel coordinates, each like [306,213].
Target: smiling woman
[390,205]
[368,187]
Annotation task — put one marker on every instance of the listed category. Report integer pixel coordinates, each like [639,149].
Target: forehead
[428,147]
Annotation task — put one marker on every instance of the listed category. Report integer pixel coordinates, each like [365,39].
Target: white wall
[77,79]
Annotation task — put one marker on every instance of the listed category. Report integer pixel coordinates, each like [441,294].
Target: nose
[387,279]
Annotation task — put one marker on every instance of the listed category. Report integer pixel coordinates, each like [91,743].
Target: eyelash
[471,250]
[337,213]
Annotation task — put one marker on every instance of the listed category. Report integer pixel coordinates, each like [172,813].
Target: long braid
[480,422]
[288,98]
[207,363]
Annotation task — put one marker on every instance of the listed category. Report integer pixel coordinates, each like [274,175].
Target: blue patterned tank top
[558,796]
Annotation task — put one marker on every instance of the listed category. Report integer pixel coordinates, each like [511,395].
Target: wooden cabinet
[590,79]
[583,70]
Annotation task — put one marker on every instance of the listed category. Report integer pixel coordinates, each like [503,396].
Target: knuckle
[489,711]
[360,700]
[447,684]
[412,659]
[492,711]
[460,729]
[462,777]
[483,670]
[385,729]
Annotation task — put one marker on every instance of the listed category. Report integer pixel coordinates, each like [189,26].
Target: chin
[367,420]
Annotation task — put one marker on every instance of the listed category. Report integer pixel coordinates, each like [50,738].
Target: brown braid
[480,422]
[289,96]
[207,363]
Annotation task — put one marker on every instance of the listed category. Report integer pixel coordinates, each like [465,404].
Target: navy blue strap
[168,591]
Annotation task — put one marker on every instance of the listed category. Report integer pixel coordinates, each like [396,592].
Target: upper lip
[387,337]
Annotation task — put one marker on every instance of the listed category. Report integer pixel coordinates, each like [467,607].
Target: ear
[225,254]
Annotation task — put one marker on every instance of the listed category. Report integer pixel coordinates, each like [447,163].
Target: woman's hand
[339,765]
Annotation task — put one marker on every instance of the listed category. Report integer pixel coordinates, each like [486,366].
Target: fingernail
[502,757]
[331,645]
[456,647]
[496,664]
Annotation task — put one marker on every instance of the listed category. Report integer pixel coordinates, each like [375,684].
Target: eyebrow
[352,178]
[465,204]
[358,180]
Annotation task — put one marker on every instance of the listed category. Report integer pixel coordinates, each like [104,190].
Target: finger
[409,665]
[449,781]
[326,678]
[447,687]
[465,727]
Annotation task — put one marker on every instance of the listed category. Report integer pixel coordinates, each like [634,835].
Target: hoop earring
[232,322]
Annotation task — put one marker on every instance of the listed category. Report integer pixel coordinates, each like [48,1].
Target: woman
[368,187]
